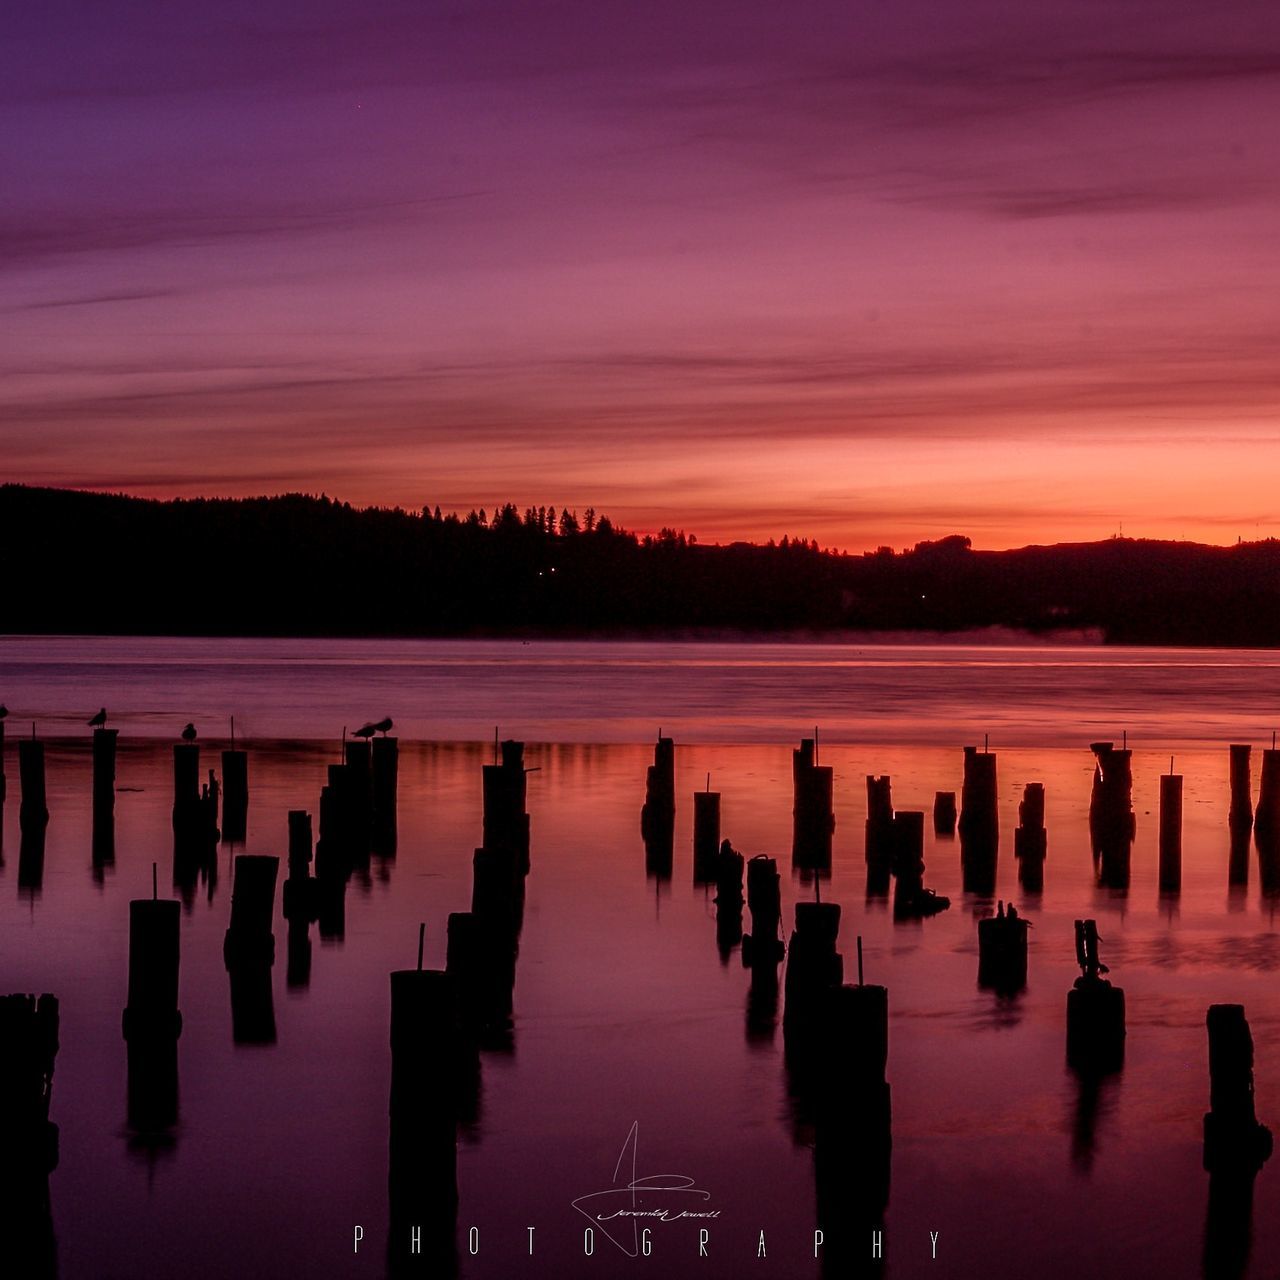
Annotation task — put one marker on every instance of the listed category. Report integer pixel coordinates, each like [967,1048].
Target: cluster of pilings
[895,852]
[1111,820]
[1030,839]
[813,810]
[837,1039]
[302,901]
[483,944]
[911,899]
[29,1152]
[151,1020]
[658,813]
[441,1019]
[195,823]
[979,822]
[357,822]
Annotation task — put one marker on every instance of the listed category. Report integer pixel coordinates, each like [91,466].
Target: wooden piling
[1030,840]
[1002,951]
[298,897]
[33,809]
[814,969]
[235,793]
[944,813]
[979,822]
[706,834]
[506,823]
[1233,1138]
[249,942]
[104,770]
[29,1036]
[1170,832]
[1241,813]
[762,946]
[386,785]
[152,1009]
[879,825]
[1095,1010]
[813,813]
[657,816]
[1111,818]
[186,783]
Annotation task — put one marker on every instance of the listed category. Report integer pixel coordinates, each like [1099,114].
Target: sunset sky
[863,271]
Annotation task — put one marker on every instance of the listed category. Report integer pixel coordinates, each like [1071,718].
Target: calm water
[625,1010]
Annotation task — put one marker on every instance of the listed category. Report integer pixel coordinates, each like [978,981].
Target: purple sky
[869,272]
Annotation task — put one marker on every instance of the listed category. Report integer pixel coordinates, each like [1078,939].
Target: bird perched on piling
[189,733]
[4,711]
[99,720]
[374,726]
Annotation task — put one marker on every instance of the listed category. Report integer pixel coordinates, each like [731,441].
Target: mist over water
[591,691]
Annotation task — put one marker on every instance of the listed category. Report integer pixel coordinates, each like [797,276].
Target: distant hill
[299,565]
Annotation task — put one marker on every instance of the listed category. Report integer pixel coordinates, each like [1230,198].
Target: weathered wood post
[813,812]
[29,1036]
[853,1120]
[911,899]
[298,896]
[762,946]
[879,834]
[814,969]
[1002,950]
[1170,832]
[1266,822]
[249,946]
[151,1021]
[706,835]
[979,822]
[658,813]
[1232,1135]
[1095,1010]
[1241,814]
[944,813]
[428,1048]
[1030,839]
[104,771]
[506,823]
[33,810]
[1111,818]
[386,786]
[186,789]
[235,793]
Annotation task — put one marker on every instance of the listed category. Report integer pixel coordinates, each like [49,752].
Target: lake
[627,1011]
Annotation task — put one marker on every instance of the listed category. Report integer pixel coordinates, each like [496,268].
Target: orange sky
[1005,269]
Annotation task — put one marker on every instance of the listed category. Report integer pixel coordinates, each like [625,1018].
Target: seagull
[189,733]
[374,726]
[99,720]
